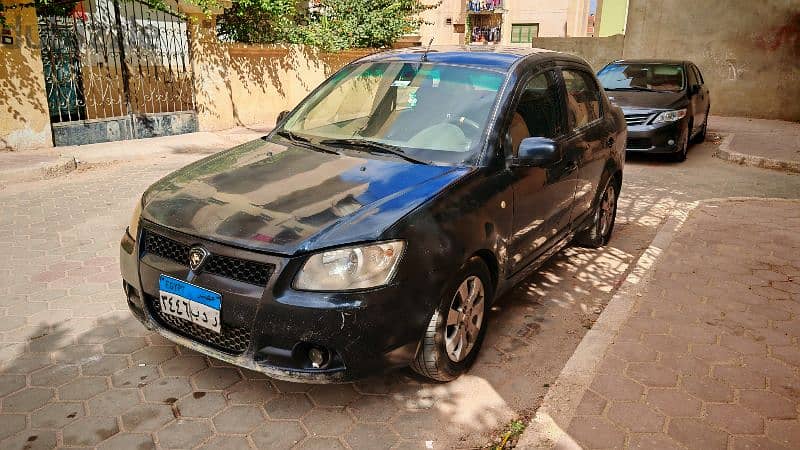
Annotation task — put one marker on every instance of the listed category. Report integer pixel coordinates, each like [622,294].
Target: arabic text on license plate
[189,302]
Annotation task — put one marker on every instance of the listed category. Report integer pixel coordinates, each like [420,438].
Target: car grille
[230,340]
[638,143]
[636,119]
[251,272]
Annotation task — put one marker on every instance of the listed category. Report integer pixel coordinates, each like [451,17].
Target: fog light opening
[671,142]
[319,357]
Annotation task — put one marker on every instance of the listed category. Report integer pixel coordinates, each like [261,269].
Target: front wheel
[599,232]
[456,329]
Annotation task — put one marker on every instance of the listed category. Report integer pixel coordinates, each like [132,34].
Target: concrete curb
[548,427]
[725,153]
[41,171]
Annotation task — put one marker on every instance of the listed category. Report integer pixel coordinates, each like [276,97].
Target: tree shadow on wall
[257,81]
[21,83]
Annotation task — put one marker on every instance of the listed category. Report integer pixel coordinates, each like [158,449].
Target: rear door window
[583,98]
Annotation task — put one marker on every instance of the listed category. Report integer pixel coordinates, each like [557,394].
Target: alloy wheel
[607,210]
[464,318]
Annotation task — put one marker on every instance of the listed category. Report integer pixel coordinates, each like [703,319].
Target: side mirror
[535,152]
[282,115]
[694,90]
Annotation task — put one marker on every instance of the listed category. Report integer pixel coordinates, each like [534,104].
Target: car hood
[287,199]
[647,100]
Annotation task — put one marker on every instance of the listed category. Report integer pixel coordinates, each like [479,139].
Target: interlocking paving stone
[184,434]
[56,415]
[31,440]
[328,421]
[274,434]
[27,399]
[90,431]
[201,404]
[725,375]
[146,417]
[11,424]
[238,419]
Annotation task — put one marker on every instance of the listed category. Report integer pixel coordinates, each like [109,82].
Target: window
[692,75]
[642,76]
[583,98]
[537,113]
[523,33]
[697,74]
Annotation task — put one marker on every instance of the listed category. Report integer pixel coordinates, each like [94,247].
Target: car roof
[652,61]
[497,57]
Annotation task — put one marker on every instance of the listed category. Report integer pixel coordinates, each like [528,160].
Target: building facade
[507,22]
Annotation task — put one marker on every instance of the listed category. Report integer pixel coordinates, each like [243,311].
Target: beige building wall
[237,84]
[24,116]
[556,18]
[437,27]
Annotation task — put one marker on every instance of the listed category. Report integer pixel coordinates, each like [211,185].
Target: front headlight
[349,268]
[670,116]
[133,228]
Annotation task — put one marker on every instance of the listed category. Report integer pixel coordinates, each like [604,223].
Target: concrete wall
[24,117]
[238,84]
[749,52]
[596,51]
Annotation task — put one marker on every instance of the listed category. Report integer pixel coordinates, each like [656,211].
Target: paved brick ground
[710,357]
[77,371]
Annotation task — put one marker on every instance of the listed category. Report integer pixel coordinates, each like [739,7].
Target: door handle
[610,142]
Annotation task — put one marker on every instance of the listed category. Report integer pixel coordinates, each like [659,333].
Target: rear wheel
[456,329]
[598,234]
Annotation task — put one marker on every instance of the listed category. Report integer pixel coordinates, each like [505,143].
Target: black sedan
[375,226]
[666,103]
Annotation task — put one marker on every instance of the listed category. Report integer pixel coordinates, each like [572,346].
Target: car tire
[605,214]
[701,135]
[680,155]
[442,356]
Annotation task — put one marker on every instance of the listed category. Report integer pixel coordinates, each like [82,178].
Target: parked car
[377,223]
[666,103]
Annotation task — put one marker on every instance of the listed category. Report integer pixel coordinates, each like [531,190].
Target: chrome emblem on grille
[197,256]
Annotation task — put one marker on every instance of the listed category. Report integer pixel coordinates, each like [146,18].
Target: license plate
[189,302]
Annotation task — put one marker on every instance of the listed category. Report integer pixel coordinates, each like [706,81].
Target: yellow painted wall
[237,84]
[24,117]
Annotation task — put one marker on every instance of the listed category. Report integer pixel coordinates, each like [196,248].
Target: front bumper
[270,328]
[658,138]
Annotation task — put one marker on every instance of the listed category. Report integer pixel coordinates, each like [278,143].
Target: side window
[537,113]
[698,75]
[692,74]
[583,98]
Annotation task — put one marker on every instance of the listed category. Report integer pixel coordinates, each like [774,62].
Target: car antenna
[427,49]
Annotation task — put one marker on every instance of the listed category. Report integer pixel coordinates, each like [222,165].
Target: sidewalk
[43,163]
[699,349]
[771,144]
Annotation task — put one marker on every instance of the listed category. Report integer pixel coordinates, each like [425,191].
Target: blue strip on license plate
[189,291]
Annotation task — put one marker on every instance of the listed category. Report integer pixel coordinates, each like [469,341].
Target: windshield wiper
[304,142]
[375,147]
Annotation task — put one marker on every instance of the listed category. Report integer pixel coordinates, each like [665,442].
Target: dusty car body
[257,255]
[666,103]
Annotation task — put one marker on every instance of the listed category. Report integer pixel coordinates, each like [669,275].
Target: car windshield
[432,112]
[644,76]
